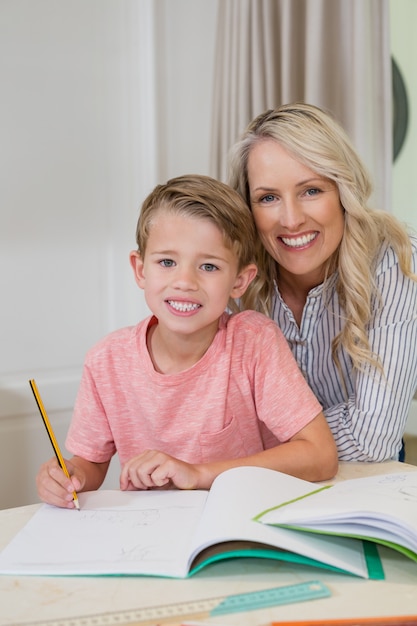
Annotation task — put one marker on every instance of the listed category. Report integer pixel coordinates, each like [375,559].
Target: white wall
[404,49]
[185,52]
[70,192]
[100,101]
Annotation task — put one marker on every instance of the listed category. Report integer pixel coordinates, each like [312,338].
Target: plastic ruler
[199,609]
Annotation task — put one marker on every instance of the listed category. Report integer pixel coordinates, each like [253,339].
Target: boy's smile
[183,307]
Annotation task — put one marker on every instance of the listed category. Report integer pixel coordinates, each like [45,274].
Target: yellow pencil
[52,436]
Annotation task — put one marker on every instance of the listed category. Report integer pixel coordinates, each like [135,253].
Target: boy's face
[188,273]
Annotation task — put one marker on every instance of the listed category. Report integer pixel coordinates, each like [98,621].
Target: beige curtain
[332,53]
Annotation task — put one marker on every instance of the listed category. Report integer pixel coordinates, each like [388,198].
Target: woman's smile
[299,241]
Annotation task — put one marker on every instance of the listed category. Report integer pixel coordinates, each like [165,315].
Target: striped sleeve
[370,426]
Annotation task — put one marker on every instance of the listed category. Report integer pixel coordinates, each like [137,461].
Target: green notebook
[378,510]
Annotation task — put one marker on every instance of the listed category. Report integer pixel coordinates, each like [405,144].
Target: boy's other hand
[153,469]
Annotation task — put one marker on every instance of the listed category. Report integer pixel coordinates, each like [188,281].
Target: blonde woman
[337,276]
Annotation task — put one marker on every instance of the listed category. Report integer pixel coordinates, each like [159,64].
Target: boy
[192,390]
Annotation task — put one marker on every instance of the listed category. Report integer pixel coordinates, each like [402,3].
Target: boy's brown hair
[202,197]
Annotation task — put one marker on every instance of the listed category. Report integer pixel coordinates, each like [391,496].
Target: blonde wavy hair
[314,138]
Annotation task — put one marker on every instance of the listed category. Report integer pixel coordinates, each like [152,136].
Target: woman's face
[297,212]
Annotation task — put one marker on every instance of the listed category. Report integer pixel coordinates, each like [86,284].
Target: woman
[338,277]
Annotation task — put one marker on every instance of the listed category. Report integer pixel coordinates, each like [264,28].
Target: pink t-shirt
[244,395]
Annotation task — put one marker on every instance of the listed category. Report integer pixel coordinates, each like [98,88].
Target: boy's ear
[138,270]
[243,280]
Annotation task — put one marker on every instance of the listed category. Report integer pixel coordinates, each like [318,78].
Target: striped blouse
[367,420]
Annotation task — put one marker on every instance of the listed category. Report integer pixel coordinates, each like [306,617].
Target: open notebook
[175,533]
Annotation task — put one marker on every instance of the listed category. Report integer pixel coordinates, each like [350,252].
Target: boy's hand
[156,469]
[54,487]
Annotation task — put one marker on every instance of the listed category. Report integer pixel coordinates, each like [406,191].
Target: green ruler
[199,609]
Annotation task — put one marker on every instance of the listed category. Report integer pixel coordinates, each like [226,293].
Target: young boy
[192,390]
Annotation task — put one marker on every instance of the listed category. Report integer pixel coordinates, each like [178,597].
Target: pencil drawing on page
[143,517]
[398,486]
[115,531]
[140,534]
